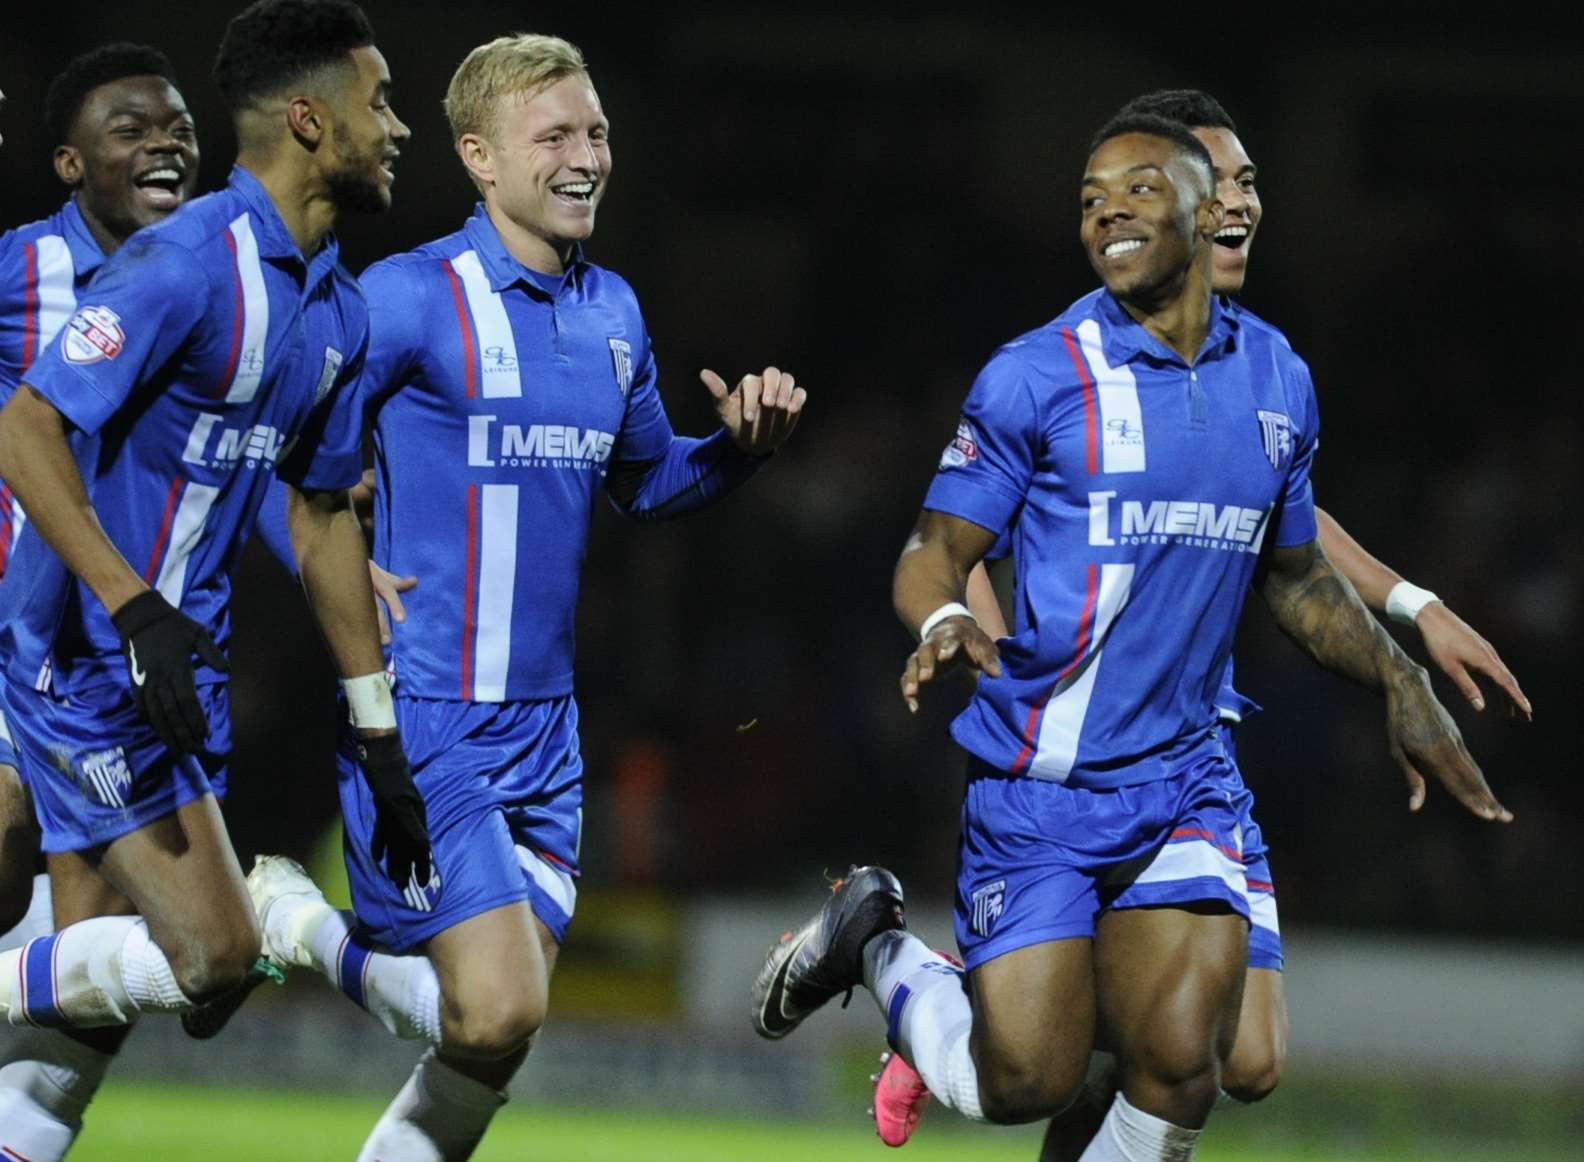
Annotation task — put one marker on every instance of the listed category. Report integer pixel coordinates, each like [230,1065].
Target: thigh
[80,891]
[1260,1051]
[19,847]
[1034,1016]
[1170,984]
[500,952]
[181,875]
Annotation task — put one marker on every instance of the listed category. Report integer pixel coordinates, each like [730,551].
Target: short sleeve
[396,328]
[1296,524]
[328,454]
[986,470]
[141,308]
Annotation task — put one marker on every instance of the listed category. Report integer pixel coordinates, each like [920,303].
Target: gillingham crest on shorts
[92,334]
[621,363]
[988,900]
[423,897]
[103,775]
[1276,435]
[962,449]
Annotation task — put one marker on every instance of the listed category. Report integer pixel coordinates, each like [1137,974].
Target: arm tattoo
[1317,607]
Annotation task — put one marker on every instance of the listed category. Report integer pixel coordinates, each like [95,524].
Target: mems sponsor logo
[495,445]
[213,445]
[1195,523]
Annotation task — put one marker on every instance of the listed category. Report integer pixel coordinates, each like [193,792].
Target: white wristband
[950,609]
[1405,601]
[369,700]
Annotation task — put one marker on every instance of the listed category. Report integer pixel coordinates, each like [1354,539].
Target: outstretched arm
[928,591]
[1317,607]
[1451,643]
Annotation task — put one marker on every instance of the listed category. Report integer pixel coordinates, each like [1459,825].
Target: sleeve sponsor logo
[963,449]
[92,334]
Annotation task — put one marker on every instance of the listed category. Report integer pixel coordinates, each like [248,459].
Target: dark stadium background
[877,201]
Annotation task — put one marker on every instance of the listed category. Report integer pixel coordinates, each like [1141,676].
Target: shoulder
[605,286]
[412,269]
[1048,358]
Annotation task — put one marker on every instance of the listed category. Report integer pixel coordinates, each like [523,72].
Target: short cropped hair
[272,44]
[520,64]
[1195,108]
[85,73]
[1174,131]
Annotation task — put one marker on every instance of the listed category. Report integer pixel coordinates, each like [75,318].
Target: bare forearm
[37,463]
[983,603]
[1372,578]
[333,563]
[926,578]
[1320,610]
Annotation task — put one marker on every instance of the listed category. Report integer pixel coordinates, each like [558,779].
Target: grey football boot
[824,957]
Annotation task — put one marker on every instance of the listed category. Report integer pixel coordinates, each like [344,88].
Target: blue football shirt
[1138,492]
[206,356]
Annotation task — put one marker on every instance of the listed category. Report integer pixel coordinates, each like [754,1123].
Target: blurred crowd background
[878,197]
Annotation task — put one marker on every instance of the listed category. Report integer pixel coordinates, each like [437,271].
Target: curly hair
[1176,132]
[1195,108]
[85,73]
[275,43]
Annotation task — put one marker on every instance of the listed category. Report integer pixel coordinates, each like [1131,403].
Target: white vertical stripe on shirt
[186,531]
[497,583]
[497,348]
[57,287]
[1062,722]
[1121,425]
[255,314]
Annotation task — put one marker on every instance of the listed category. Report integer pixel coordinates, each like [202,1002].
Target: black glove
[159,641]
[401,828]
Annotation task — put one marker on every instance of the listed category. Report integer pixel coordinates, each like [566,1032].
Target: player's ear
[306,117]
[68,164]
[477,157]
[1211,216]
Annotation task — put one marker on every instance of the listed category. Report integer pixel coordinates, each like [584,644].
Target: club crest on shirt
[1276,435]
[103,775]
[988,900]
[621,363]
[327,375]
[92,334]
[963,448]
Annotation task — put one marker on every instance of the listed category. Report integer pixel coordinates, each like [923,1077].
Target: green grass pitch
[189,1123]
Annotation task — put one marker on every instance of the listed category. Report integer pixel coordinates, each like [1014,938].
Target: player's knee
[495,1027]
[1252,1076]
[1013,1093]
[205,971]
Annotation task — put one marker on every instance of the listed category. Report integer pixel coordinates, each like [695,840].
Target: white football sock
[96,972]
[400,992]
[1128,1134]
[39,920]
[928,1015]
[45,1085]
[438,1116]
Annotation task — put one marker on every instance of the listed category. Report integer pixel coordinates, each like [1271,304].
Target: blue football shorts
[8,754]
[1040,861]
[97,770]
[502,785]
[1265,942]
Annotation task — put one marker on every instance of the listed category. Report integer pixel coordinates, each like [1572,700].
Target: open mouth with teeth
[1232,237]
[162,187]
[578,192]
[1121,247]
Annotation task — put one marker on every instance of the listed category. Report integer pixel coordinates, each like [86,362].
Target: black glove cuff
[142,611]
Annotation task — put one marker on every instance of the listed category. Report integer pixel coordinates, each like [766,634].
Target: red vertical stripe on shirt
[6,531]
[229,373]
[469,355]
[30,305]
[1085,628]
[163,538]
[470,592]
[1089,399]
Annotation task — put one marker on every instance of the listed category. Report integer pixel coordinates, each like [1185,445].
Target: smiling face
[1147,216]
[131,154]
[543,166]
[365,134]
[1234,174]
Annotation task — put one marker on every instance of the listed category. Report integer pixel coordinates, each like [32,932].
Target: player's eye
[1246,185]
[1140,188]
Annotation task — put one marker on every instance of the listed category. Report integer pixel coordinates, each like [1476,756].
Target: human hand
[761,411]
[1424,738]
[954,641]
[388,589]
[1454,646]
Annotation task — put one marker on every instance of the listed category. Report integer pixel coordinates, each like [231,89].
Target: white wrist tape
[369,700]
[1405,601]
[950,609]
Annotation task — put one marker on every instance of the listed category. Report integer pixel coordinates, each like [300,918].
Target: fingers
[210,653]
[984,655]
[1468,783]
[717,385]
[751,389]
[1416,783]
[1493,668]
